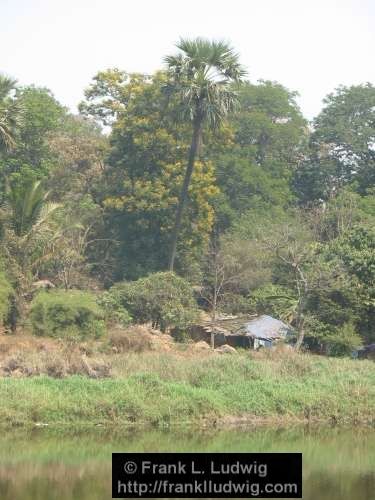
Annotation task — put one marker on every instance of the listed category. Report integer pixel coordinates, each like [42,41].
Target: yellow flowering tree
[145,171]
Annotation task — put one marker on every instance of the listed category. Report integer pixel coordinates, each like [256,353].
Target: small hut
[248,333]
[263,331]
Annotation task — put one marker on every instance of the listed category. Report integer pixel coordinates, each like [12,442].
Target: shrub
[164,299]
[114,312]
[343,341]
[72,314]
[331,340]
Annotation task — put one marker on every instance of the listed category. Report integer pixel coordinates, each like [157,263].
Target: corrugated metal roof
[264,327]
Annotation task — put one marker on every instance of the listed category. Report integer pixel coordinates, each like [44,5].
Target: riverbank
[170,388]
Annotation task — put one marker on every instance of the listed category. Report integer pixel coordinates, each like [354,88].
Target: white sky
[310,46]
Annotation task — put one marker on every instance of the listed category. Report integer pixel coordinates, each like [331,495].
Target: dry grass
[54,365]
[135,338]
[24,356]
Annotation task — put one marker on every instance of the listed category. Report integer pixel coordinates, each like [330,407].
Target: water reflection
[45,465]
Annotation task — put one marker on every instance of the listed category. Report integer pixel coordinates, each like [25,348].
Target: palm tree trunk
[194,147]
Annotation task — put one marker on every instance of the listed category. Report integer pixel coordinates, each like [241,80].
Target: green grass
[167,389]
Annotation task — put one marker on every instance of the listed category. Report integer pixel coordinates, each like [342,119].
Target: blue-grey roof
[264,327]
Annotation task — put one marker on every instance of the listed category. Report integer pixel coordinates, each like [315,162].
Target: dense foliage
[67,314]
[6,301]
[164,299]
[222,179]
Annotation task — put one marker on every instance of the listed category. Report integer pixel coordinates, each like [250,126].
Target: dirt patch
[139,338]
[10,344]
[201,346]
[25,355]
[225,349]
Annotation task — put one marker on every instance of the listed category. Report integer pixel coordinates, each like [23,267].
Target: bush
[114,312]
[6,296]
[331,340]
[72,314]
[164,299]
[343,341]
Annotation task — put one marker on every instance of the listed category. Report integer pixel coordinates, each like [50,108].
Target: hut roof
[264,327]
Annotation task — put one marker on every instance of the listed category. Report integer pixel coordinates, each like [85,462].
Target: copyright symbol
[130,467]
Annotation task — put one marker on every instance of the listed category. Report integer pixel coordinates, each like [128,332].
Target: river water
[338,464]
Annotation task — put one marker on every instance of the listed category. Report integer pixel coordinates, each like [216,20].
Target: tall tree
[342,146]
[201,76]
[28,231]
[269,136]
[108,96]
[30,157]
[143,173]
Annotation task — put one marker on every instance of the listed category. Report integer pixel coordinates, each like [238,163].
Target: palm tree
[201,76]
[29,233]
[30,209]
[10,114]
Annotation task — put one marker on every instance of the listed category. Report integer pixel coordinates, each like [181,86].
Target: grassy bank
[167,388]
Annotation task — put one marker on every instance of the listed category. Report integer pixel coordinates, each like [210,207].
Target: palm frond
[11,113]
[201,75]
[7,141]
[28,206]
[45,213]
[7,84]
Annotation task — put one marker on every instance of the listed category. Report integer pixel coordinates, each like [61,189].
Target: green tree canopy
[342,145]
[268,137]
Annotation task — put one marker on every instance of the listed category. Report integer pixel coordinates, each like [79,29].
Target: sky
[309,46]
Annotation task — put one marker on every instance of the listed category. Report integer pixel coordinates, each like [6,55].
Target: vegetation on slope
[275,218]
